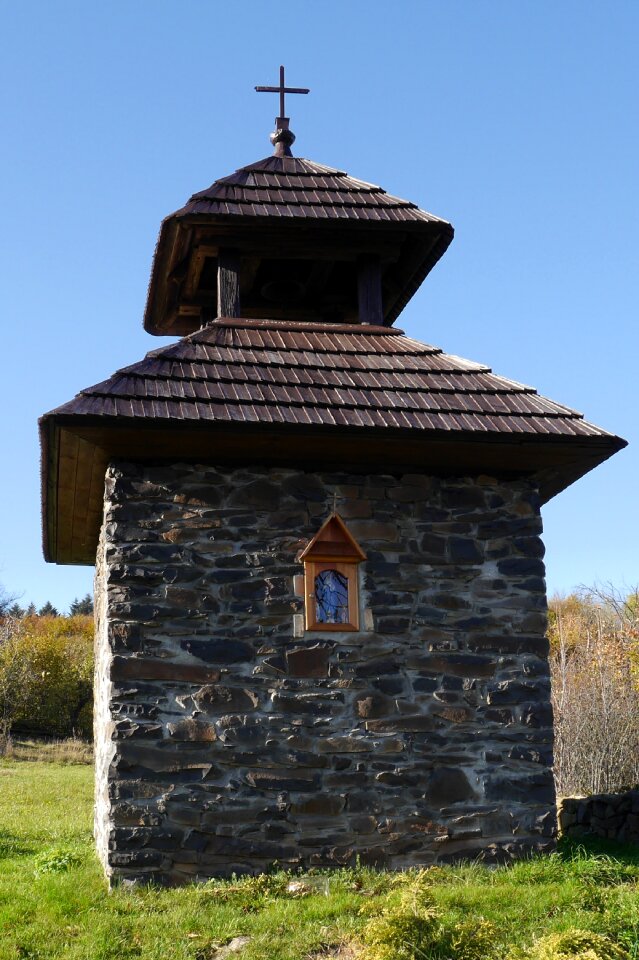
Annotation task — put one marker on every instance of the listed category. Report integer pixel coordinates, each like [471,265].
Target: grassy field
[54,902]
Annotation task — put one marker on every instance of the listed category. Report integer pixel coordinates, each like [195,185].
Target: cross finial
[282,138]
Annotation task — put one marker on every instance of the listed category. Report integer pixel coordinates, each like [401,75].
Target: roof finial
[282,138]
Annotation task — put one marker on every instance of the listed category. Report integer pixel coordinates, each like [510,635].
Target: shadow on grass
[591,846]
[11,846]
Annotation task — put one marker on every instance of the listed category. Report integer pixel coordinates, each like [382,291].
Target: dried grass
[72,750]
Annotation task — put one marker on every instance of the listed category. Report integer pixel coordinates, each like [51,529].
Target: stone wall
[614,816]
[234,740]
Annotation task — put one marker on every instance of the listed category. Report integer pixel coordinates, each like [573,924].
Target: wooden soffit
[76,452]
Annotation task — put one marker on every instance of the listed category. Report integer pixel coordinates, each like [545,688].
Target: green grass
[54,902]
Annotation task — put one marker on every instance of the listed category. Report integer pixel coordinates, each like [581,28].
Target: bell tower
[319,592]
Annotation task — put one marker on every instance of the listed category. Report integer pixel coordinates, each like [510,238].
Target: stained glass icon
[331,597]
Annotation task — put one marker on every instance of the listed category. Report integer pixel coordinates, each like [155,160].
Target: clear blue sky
[517,121]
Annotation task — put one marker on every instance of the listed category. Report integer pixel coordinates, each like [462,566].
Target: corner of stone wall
[104,746]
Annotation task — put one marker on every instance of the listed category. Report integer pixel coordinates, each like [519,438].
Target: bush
[577,944]
[412,928]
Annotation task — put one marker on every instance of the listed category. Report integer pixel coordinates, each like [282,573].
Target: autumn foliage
[46,673]
[594,659]
[46,676]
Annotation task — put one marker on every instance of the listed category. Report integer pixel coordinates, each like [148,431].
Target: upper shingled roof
[323,375]
[293,187]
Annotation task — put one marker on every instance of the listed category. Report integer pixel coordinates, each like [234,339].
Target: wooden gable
[333,541]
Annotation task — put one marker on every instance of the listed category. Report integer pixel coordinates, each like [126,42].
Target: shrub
[412,928]
[578,944]
[407,929]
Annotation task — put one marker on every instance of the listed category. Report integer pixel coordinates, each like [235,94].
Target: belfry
[319,591]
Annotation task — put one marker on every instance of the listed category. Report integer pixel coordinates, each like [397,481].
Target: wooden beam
[320,243]
[228,283]
[369,290]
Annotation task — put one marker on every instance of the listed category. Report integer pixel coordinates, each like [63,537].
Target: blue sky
[514,119]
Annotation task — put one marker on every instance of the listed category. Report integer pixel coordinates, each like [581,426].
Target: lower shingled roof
[307,374]
[308,395]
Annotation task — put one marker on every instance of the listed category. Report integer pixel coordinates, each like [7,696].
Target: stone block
[515,692]
[464,550]
[308,661]
[282,780]
[374,705]
[463,497]
[448,785]
[378,667]
[217,698]
[410,724]
[534,789]
[305,486]
[323,805]
[260,494]
[367,530]
[521,567]
[456,664]
[191,729]
[432,548]
[454,713]
[389,685]
[313,706]
[146,668]
[218,651]
[352,744]
[537,714]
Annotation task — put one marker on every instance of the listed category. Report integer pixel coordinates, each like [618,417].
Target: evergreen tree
[5,601]
[48,610]
[83,606]
[16,611]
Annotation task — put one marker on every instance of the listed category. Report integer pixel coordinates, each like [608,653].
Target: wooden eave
[419,245]
[77,449]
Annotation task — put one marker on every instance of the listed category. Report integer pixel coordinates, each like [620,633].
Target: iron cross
[282,90]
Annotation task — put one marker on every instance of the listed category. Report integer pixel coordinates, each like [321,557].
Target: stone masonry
[613,816]
[230,740]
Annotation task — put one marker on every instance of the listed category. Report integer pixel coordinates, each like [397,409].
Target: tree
[46,673]
[83,607]
[48,610]
[16,678]
[16,611]
[6,599]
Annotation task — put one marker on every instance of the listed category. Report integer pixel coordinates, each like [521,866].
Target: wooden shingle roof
[259,211]
[294,187]
[322,375]
[352,396]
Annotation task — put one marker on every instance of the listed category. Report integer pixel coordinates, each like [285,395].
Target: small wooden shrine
[320,597]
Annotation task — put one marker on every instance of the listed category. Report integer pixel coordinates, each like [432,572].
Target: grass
[70,750]
[54,902]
